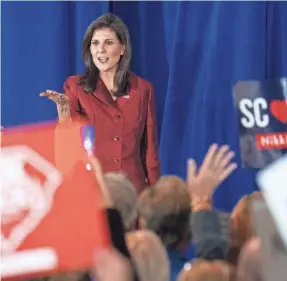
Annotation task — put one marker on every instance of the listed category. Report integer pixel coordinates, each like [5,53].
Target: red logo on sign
[279,110]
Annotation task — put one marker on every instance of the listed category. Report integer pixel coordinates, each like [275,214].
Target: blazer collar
[104,95]
[133,81]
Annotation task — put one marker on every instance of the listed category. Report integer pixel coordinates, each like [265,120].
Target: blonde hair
[123,195]
[149,255]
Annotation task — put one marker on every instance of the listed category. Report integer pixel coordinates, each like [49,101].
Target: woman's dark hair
[89,79]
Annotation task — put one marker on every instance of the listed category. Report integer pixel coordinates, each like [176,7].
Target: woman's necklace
[112,95]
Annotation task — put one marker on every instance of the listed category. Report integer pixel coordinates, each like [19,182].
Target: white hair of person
[124,196]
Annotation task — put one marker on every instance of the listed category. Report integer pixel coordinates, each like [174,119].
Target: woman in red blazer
[119,104]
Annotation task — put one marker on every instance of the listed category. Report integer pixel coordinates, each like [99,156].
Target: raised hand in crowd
[216,167]
[62,103]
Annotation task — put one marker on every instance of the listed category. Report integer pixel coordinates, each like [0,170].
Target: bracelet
[197,198]
[201,202]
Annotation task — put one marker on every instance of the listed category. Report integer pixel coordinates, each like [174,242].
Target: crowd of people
[171,232]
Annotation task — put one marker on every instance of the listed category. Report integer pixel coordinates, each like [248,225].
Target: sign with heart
[279,110]
[262,120]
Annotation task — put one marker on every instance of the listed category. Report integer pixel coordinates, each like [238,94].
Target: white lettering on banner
[253,113]
[29,261]
[25,201]
[271,141]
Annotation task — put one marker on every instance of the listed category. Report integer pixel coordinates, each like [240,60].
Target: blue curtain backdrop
[192,52]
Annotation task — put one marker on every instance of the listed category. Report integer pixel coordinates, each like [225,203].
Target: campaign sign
[51,214]
[262,118]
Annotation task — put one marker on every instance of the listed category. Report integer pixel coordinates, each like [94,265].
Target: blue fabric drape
[193,53]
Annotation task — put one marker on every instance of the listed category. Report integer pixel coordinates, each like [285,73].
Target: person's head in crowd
[124,197]
[241,225]
[200,270]
[249,266]
[149,256]
[165,209]
[241,219]
[106,49]
[111,265]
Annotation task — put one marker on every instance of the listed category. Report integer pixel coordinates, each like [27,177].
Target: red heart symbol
[279,109]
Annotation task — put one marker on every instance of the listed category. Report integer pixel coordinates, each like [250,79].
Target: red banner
[51,218]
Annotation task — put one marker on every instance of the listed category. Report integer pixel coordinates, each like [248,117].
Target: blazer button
[116,138]
[117,161]
[118,116]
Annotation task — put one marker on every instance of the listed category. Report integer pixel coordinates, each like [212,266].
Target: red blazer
[125,130]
